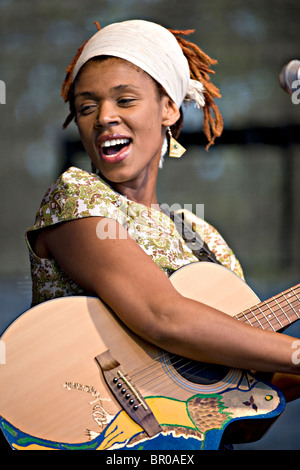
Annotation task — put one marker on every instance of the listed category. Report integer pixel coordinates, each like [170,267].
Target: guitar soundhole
[198,372]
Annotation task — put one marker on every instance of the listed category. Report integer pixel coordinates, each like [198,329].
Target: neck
[141,190]
[142,195]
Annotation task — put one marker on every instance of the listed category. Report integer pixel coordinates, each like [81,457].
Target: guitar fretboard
[276,313]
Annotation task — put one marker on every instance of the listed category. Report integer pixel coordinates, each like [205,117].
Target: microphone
[289,74]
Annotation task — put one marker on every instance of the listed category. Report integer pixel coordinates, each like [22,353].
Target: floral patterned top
[77,194]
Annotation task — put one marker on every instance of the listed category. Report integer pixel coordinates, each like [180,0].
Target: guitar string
[160,379]
[158,368]
[278,313]
[269,307]
[141,375]
[174,379]
[155,369]
[187,362]
[156,363]
[260,320]
[277,316]
[277,309]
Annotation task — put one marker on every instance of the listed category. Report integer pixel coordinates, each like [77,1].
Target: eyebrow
[121,87]
[90,94]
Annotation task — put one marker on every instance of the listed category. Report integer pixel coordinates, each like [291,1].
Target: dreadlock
[199,64]
[67,88]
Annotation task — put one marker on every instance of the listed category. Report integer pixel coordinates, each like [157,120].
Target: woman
[100,232]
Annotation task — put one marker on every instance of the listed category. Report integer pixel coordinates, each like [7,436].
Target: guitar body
[55,395]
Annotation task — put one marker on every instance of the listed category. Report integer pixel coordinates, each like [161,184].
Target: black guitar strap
[193,239]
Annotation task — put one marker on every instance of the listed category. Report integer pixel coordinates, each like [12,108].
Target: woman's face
[121,119]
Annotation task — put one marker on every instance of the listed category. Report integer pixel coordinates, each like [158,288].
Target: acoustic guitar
[74,377]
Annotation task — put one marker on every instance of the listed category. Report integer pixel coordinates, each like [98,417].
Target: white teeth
[112,143]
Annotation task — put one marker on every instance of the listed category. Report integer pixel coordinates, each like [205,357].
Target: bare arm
[120,273]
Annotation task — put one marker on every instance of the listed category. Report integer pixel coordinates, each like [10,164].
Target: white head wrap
[152,48]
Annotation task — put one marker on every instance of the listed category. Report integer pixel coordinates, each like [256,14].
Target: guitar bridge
[127,394]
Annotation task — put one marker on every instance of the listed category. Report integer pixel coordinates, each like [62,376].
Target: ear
[170,113]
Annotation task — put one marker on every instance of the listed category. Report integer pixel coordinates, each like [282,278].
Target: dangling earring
[175,149]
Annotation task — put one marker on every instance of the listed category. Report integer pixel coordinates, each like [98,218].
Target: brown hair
[199,64]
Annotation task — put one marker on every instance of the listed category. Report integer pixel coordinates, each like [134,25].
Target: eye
[87,109]
[126,101]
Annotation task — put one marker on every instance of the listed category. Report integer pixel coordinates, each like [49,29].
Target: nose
[107,115]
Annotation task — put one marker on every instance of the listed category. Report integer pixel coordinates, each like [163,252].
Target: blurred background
[249,182]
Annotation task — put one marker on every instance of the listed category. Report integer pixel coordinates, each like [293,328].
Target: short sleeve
[78,194]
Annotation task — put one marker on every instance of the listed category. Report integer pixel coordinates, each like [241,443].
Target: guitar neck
[276,313]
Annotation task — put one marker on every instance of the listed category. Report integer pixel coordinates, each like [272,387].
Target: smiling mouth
[111,148]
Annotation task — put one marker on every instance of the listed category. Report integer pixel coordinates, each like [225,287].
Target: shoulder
[75,194]
[77,185]
[214,240]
